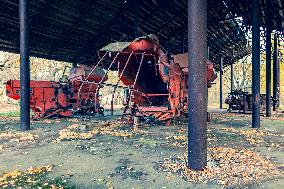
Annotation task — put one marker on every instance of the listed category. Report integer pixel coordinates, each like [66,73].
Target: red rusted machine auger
[156,82]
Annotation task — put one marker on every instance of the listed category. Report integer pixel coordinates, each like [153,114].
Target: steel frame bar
[255,64]
[119,78]
[197,83]
[98,86]
[24,65]
[138,71]
[86,79]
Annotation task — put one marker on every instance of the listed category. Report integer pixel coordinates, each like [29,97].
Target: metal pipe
[268,72]
[24,65]
[102,79]
[119,78]
[255,65]
[276,74]
[221,83]
[138,71]
[111,106]
[197,83]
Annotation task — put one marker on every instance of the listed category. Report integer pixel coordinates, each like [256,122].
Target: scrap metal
[64,98]
[155,82]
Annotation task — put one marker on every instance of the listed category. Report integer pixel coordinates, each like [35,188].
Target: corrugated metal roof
[73,30]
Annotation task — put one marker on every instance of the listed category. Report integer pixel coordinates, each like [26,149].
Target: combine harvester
[155,83]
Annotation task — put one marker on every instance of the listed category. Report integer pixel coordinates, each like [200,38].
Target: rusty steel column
[111,105]
[276,73]
[24,65]
[232,77]
[255,65]
[197,84]
[268,72]
[221,83]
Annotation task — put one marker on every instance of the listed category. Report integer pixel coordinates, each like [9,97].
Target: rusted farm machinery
[155,82]
[77,94]
[241,102]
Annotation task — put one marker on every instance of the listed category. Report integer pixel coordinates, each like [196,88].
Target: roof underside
[73,31]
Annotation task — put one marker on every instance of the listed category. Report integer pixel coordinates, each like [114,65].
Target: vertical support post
[197,83]
[24,65]
[276,73]
[232,77]
[221,83]
[111,104]
[255,65]
[268,71]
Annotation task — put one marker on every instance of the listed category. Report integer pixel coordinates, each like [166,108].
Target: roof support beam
[255,64]
[197,83]
[24,65]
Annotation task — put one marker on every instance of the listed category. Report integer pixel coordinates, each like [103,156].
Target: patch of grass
[101,183]
[124,170]
[13,114]
[10,114]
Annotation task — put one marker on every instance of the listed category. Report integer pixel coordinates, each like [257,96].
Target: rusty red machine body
[79,93]
[156,82]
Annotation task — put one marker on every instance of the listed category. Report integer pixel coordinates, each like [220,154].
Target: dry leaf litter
[228,167]
[10,179]
[109,128]
[252,136]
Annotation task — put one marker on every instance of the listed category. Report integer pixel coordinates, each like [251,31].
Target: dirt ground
[86,154]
